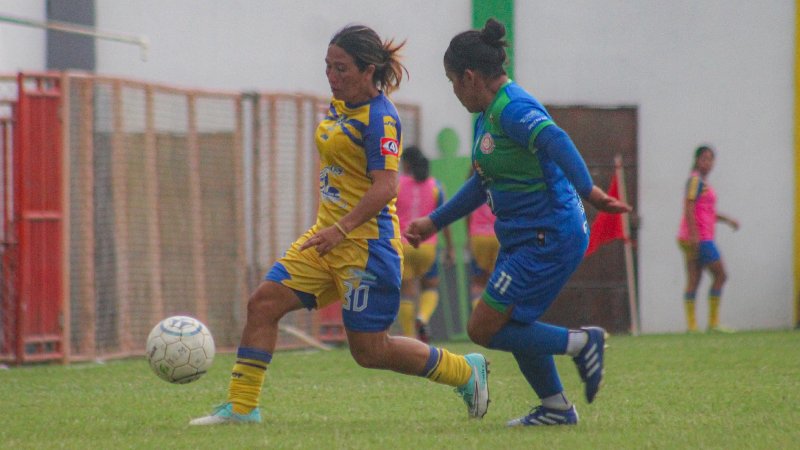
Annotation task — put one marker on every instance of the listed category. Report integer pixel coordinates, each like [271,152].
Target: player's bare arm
[730,221]
[604,202]
[382,191]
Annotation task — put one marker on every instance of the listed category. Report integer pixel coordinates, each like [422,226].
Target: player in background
[483,247]
[696,239]
[531,174]
[353,252]
[418,194]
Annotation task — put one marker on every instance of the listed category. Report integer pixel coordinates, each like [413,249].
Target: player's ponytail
[365,46]
[389,75]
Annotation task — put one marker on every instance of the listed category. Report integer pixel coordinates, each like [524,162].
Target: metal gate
[37,223]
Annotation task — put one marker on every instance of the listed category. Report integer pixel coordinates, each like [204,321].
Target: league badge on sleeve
[390,146]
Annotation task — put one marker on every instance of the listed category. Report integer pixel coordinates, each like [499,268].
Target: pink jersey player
[417,199]
[481,221]
[705,213]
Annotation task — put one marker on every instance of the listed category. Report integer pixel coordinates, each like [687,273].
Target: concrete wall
[713,71]
[22,47]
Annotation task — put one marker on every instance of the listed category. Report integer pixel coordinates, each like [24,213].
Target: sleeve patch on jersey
[390,146]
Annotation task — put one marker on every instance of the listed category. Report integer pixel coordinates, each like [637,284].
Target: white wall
[22,47]
[714,71]
[281,44]
[717,71]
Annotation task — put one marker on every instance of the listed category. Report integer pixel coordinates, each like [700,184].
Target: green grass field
[662,391]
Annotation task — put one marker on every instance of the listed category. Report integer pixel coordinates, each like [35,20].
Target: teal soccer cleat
[224,414]
[475,392]
[546,416]
[590,361]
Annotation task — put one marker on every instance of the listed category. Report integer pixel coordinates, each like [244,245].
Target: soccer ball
[180,349]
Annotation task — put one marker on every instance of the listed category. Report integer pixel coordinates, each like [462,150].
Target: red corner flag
[607,227]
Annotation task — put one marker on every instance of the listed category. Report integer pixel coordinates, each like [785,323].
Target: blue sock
[541,373]
[533,339]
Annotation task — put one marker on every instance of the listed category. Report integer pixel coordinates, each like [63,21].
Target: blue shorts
[529,278]
[707,252]
[363,274]
[475,269]
[434,272]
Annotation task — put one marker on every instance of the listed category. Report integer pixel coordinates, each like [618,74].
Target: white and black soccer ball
[180,349]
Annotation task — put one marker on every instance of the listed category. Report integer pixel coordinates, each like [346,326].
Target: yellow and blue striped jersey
[353,140]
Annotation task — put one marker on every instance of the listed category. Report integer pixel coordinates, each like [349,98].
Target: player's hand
[419,230]
[606,203]
[324,240]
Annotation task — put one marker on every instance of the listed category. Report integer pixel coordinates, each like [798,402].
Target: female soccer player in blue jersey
[353,253]
[533,178]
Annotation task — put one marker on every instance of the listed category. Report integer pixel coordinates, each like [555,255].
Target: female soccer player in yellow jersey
[353,252]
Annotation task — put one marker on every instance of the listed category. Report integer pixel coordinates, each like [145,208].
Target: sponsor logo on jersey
[487,143]
[390,147]
[532,119]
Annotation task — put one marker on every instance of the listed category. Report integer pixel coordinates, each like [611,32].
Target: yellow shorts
[418,261]
[362,273]
[484,251]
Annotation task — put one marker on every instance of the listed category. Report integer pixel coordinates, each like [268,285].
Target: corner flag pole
[633,302]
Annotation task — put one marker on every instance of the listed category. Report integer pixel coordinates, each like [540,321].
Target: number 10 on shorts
[355,299]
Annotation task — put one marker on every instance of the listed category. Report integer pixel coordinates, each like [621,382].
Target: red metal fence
[37,222]
[125,202]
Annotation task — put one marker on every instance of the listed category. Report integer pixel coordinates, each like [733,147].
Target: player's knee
[367,357]
[263,303]
[478,334]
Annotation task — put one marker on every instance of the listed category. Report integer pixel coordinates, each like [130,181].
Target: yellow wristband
[336,224]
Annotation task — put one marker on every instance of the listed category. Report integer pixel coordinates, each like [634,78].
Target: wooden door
[597,293]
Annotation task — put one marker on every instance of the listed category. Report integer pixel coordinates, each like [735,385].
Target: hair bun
[493,33]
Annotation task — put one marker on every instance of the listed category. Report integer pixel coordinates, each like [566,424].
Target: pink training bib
[705,211]
[416,199]
[481,221]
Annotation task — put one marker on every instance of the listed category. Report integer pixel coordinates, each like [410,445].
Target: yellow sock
[451,369]
[428,301]
[713,311]
[406,317]
[244,389]
[691,320]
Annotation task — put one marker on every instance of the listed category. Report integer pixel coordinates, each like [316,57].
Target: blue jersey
[526,189]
